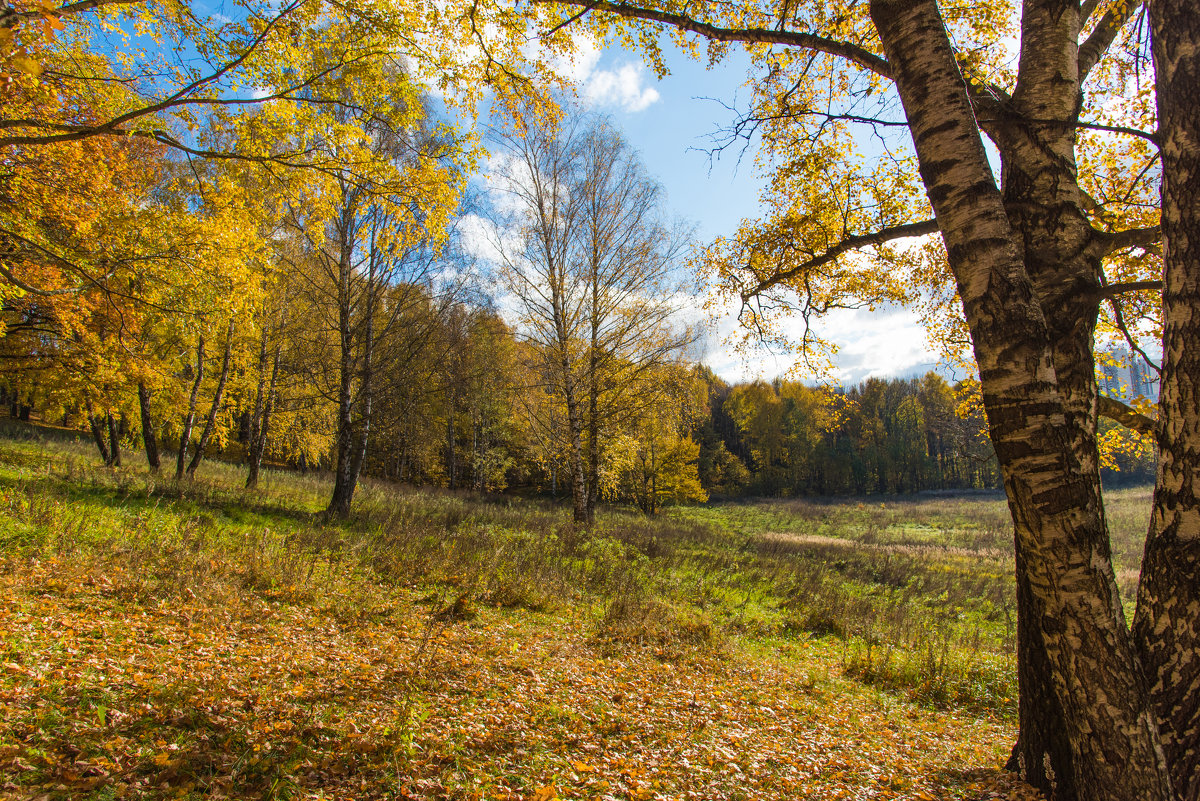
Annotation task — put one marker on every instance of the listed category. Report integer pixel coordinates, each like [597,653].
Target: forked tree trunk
[579,488]
[353,432]
[99,436]
[1061,541]
[218,397]
[1167,622]
[1060,254]
[114,439]
[189,419]
[149,440]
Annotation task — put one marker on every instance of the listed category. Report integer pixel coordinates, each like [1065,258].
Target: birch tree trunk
[218,397]
[190,418]
[1043,202]
[1062,547]
[366,400]
[343,491]
[149,439]
[98,434]
[1167,621]
[114,439]
[261,424]
[579,489]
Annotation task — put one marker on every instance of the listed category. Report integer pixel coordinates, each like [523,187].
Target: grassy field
[164,641]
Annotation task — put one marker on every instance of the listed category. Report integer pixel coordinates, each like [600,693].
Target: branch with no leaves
[1144,238]
[1127,416]
[1111,291]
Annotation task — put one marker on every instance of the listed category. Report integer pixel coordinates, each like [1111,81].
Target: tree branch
[845,246]
[1127,416]
[1112,241]
[1119,319]
[1102,37]
[851,52]
[1112,290]
[11,18]
[182,97]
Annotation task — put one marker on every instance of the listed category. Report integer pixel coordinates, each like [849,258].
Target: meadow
[164,640]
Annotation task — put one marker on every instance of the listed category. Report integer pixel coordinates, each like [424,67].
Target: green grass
[908,598]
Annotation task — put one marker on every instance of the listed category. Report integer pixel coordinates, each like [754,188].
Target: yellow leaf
[29,66]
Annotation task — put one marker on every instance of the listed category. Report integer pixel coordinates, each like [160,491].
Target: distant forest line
[774,438]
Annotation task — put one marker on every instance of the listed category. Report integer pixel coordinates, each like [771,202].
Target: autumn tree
[594,279]
[660,462]
[372,229]
[630,254]
[1032,253]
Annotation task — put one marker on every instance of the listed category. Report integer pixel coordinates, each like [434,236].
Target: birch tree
[594,280]
[1035,260]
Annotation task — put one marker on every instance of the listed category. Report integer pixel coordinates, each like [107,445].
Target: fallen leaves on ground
[106,696]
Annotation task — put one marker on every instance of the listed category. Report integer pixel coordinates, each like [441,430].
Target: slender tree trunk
[114,439]
[1167,621]
[149,439]
[1061,540]
[261,428]
[358,453]
[653,497]
[593,443]
[353,435]
[593,422]
[190,418]
[343,490]
[450,456]
[98,434]
[218,397]
[579,488]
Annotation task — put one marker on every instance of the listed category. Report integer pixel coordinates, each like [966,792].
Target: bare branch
[1113,241]
[1119,319]
[1127,416]
[1138,132]
[845,246]
[1112,290]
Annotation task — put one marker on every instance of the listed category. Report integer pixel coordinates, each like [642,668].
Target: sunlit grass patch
[164,639]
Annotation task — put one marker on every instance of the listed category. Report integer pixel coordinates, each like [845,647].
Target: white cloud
[622,87]
[579,65]
[886,343]
[481,238]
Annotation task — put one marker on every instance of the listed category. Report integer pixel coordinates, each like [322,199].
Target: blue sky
[671,122]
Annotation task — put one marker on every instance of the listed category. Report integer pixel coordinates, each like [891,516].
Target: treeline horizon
[750,439]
